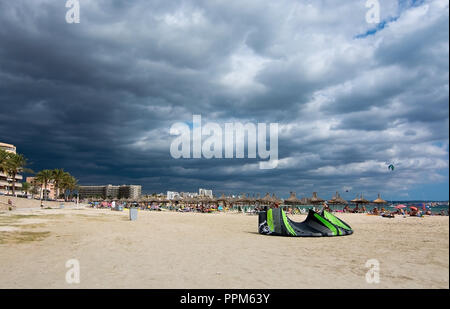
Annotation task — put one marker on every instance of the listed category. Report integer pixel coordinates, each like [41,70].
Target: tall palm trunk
[13,184]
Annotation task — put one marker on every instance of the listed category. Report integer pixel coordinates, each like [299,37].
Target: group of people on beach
[208,208]
[413,212]
[156,206]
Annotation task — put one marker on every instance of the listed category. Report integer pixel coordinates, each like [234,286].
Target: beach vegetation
[13,164]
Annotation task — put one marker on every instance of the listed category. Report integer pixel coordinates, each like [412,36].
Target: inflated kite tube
[275,222]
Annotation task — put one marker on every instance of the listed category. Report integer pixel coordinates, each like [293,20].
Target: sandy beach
[223,250]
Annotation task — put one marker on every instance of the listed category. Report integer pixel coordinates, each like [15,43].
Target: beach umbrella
[305,201]
[292,200]
[337,200]
[222,198]
[212,200]
[204,199]
[176,199]
[163,200]
[315,199]
[252,199]
[243,199]
[355,200]
[363,200]
[333,200]
[266,199]
[360,200]
[231,200]
[276,200]
[341,201]
[379,200]
[400,206]
[413,208]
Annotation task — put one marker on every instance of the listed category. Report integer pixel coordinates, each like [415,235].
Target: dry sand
[193,250]
[24,203]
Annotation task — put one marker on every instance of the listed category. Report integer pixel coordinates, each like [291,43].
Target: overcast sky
[98,98]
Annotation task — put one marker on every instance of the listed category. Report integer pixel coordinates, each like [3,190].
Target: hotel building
[110,191]
[5,180]
[205,192]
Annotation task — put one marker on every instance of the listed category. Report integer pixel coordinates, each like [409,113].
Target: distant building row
[110,191]
[201,192]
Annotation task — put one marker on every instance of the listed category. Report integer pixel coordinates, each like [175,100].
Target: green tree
[3,159]
[58,176]
[26,187]
[14,165]
[43,178]
[69,183]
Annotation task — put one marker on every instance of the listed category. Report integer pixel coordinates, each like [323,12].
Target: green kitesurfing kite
[317,224]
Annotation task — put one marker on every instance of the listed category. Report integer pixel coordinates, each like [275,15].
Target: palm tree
[69,183]
[3,159]
[34,188]
[26,187]
[58,176]
[44,177]
[15,164]
[4,155]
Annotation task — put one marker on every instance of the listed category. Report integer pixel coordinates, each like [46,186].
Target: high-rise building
[130,191]
[110,191]
[5,180]
[205,192]
[172,194]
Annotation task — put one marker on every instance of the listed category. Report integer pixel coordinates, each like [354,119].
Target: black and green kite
[275,222]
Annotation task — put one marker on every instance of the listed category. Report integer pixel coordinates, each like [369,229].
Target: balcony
[3,175]
[4,183]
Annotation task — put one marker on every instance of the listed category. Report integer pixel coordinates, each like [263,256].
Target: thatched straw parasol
[258,198]
[315,199]
[243,199]
[145,199]
[212,199]
[360,200]
[292,200]
[266,199]
[155,199]
[356,199]
[275,199]
[205,199]
[222,198]
[379,200]
[176,199]
[363,200]
[231,200]
[337,200]
[252,199]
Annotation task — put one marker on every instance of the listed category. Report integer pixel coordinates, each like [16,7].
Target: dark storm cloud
[98,98]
